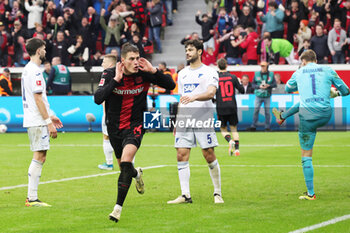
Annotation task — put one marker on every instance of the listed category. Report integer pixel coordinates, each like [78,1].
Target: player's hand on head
[119,70]
[146,66]
[56,122]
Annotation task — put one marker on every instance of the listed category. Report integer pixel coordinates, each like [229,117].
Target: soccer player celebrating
[109,61]
[124,91]
[313,82]
[226,106]
[197,86]
[37,117]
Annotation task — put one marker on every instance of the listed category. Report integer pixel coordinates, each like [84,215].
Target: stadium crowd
[79,31]
[249,31]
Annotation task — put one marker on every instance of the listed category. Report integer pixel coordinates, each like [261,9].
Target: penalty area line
[76,178]
[322,224]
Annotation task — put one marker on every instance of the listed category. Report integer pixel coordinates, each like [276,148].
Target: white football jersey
[32,81]
[197,81]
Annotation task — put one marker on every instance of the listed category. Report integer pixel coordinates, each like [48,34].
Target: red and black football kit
[226,105]
[125,102]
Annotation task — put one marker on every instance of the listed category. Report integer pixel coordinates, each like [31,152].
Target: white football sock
[214,171]
[184,177]
[34,173]
[108,150]
[118,207]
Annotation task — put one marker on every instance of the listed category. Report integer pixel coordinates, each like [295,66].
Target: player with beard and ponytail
[124,91]
[37,117]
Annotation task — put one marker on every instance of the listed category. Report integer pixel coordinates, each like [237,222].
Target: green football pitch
[260,188]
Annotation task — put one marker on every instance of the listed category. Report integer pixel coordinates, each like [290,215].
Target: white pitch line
[75,178]
[322,224]
[163,145]
[174,165]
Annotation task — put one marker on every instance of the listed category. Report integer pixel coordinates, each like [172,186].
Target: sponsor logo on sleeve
[38,83]
[102,82]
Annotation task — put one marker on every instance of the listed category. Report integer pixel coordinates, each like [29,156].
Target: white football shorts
[39,138]
[188,138]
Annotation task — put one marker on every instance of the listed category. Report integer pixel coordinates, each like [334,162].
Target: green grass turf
[257,199]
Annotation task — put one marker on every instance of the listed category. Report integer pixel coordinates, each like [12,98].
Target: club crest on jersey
[102,82]
[38,82]
[188,88]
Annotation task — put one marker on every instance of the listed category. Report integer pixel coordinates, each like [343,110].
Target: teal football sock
[291,111]
[308,171]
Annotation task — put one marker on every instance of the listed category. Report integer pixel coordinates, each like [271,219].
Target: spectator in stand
[71,22]
[47,70]
[293,15]
[207,25]
[15,15]
[21,57]
[59,79]
[39,29]
[155,10]
[245,16]
[87,31]
[138,43]
[60,26]
[35,13]
[169,11]
[224,22]
[4,42]
[18,30]
[5,83]
[250,43]
[304,33]
[280,48]
[113,31]
[336,41]
[232,46]
[79,52]
[209,56]
[261,49]
[319,7]
[342,11]
[93,26]
[139,15]
[306,46]
[319,44]
[61,6]
[193,36]
[273,20]
[280,88]
[163,68]
[248,89]
[46,74]
[51,29]
[263,83]
[59,48]
[115,53]
[96,59]
[48,13]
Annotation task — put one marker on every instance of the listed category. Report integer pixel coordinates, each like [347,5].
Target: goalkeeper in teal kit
[314,85]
